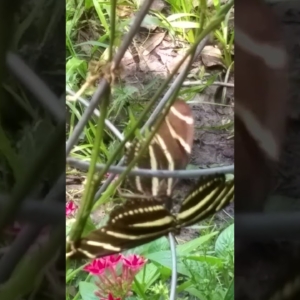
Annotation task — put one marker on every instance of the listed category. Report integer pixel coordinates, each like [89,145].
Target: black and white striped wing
[210,195]
[135,223]
[170,149]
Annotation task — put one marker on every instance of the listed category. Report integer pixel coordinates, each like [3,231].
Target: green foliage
[91,19]
[204,267]
[204,264]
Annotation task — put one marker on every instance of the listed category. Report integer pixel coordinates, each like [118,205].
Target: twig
[96,112]
[199,82]
[84,165]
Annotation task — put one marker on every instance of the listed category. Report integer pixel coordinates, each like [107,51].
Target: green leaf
[180,15]
[150,21]
[194,244]
[146,277]
[89,226]
[152,247]
[225,241]
[87,291]
[184,24]
[165,273]
[217,295]
[211,260]
[75,66]
[164,258]
[184,286]
[69,271]
[193,291]
[93,43]
[230,292]
[88,4]
[69,224]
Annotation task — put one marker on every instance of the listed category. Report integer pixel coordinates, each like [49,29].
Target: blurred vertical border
[32,149]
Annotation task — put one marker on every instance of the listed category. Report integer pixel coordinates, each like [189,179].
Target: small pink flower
[134,262]
[70,208]
[111,297]
[115,274]
[113,260]
[97,266]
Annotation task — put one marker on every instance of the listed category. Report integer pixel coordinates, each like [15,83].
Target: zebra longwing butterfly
[143,220]
[170,149]
[140,221]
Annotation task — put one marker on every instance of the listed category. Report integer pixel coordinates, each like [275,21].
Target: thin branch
[96,99]
[174,266]
[199,82]
[84,165]
[177,82]
[139,17]
[96,112]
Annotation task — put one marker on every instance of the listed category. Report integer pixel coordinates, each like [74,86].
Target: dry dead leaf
[172,63]
[153,42]
[211,56]
[124,11]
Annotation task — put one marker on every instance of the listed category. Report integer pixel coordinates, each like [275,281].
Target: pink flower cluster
[70,208]
[116,274]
